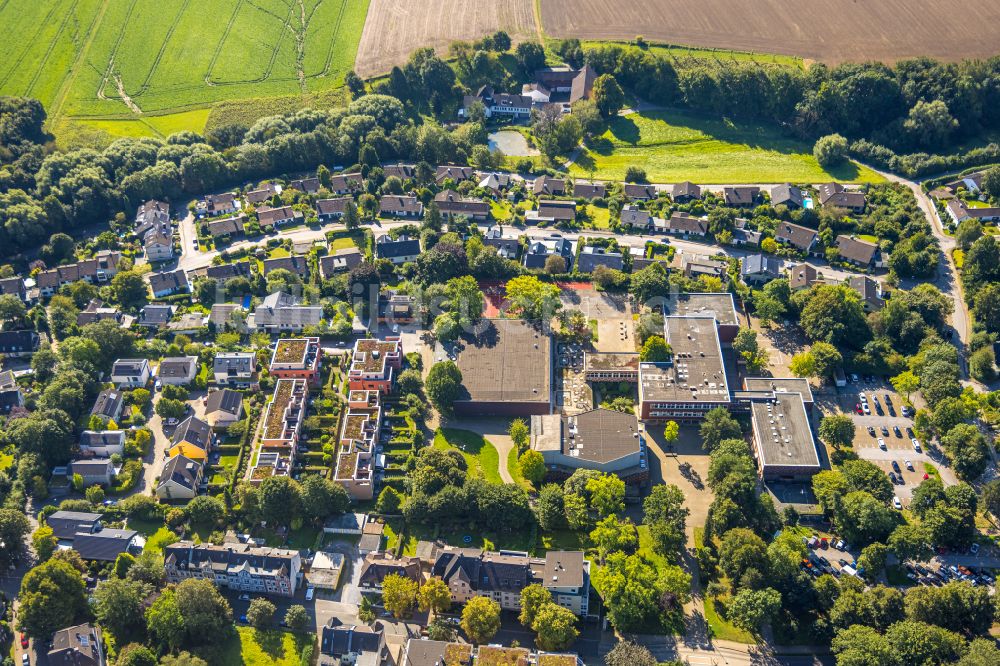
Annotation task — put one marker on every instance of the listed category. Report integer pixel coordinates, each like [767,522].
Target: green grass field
[151,68]
[481,457]
[673,146]
[254,647]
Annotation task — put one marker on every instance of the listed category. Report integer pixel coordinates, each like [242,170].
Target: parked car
[885,431]
[871,430]
[897,432]
[909,432]
[896,504]
[866,409]
[906,410]
[908,464]
[24,641]
[916,445]
[895,466]
[857,408]
[171,421]
[881,444]
[974,549]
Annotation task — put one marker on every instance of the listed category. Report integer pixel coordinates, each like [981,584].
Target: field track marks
[300,43]
[266,74]
[28,44]
[81,56]
[163,47]
[109,69]
[333,41]
[222,40]
[124,96]
[52,46]
[536,7]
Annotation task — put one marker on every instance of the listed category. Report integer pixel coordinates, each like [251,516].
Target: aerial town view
[510,333]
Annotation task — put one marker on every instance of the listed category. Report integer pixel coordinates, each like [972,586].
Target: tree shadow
[625,130]
[270,642]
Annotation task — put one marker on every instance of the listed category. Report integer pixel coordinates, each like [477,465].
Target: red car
[858,409]
[24,641]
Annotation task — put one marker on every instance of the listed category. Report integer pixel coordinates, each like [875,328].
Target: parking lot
[882,437]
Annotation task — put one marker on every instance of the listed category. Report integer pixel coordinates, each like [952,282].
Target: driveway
[153,460]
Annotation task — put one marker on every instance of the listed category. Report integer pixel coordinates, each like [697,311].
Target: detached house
[685,192]
[400,206]
[548,186]
[236,369]
[18,343]
[332,209]
[741,197]
[802,276]
[223,408]
[639,192]
[787,195]
[959,211]
[192,438]
[399,251]
[108,405]
[759,269]
[869,290]
[587,190]
[340,261]
[77,646]
[227,226]
[553,246]
[497,104]
[178,370]
[276,217]
[180,479]
[799,237]
[452,204]
[295,264]
[683,224]
[217,204]
[454,173]
[633,216]
[835,194]
[169,283]
[345,183]
[262,194]
[550,210]
[860,253]
[130,372]
[592,256]
[281,312]
[307,185]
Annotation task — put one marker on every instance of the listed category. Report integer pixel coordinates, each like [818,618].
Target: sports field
[107,60]
[673,146]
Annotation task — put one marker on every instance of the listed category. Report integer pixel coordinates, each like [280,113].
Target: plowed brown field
[827,30]
[395,28]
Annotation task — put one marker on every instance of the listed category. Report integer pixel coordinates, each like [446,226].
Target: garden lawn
[341,243]
[481,457]
[254,647]
[721,629]
[673,146]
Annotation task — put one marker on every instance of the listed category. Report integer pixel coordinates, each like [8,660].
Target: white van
[310,591]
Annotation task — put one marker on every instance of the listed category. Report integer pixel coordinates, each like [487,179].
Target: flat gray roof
[720,306]
[697,373]
[782,432]
[509,361]
[781,385]
[601,435]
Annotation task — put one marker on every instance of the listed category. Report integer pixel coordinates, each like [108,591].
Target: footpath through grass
[481,457]
[673,146]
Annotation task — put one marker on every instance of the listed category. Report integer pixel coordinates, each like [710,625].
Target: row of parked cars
[943,574]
